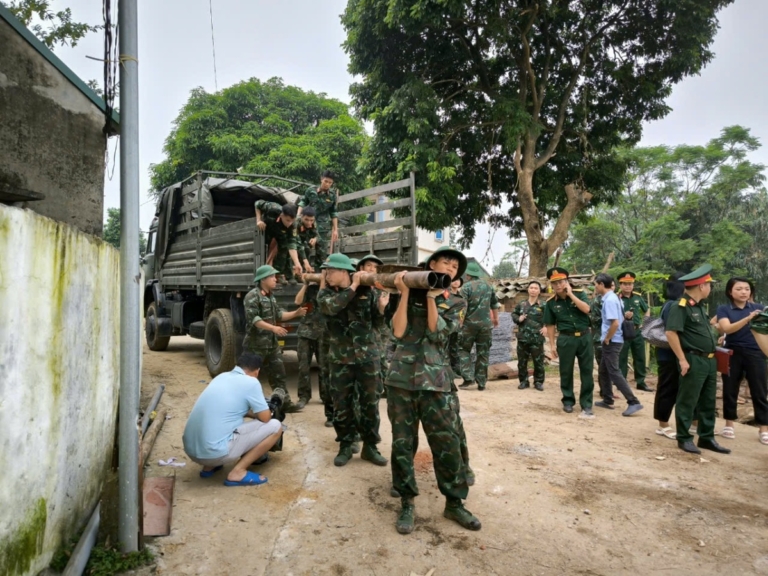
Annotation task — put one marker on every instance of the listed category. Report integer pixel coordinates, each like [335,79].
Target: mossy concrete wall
[59,372]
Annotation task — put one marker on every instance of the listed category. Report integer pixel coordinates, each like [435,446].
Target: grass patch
[104,560]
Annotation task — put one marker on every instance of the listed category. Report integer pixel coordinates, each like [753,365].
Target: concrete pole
[130,328]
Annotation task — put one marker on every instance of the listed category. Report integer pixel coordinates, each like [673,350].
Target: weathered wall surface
[59,372]
[51,139]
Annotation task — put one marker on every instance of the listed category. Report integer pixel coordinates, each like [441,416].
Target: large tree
[264,128]
[51,28]
[680,207]
[112,230]
[523,100]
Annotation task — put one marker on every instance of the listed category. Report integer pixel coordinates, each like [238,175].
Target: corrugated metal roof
[54,60]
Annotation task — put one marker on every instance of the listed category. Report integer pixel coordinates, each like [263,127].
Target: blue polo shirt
[741,338]
[219,411]
[612,310]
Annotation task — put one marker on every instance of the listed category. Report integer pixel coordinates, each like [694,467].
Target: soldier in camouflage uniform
[454,353]
[481,318]
[310,333]
[419,390]
[307,240]
[262,317]
[370,264]
[635,308]
[277,222]
[351,311]
[323,200]
[529,317]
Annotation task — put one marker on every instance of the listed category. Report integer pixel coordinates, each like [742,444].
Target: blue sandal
[250,479]
[209,473]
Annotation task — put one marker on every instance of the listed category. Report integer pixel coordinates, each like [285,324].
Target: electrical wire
[213,46]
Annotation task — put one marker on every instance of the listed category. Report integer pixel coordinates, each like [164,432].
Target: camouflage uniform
[476,330]
[530,342]
[454,344]
[353,354]
[286,238]
[259,305]
[383,337]
[324,204]
[596,320]
[307,252]
[419,390]
[310,333]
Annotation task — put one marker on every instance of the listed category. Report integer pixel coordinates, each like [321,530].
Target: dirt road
[556,495]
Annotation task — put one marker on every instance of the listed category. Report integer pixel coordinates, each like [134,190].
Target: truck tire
[220,342]
[154,342]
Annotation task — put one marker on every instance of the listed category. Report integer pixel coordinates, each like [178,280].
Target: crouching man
[217,435]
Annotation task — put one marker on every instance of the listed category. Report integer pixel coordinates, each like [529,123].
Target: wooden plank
[381,236]
[188,225]
[376,225]
[376,208]
[197,205]
[381,189]
[157,496]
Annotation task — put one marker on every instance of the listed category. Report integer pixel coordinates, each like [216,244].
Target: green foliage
[681,207]
[51,28]
[264,128]
[505,269]
[104,560]
[111,231]
[455,87]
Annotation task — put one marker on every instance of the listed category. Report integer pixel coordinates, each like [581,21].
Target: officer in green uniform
[528,315]
[323,200]
[277,222]
[307,240]
[569,311]
[419,390]
[310,333]
[351,311]
[480,318]
[262,318]
[691,339]
[635,307]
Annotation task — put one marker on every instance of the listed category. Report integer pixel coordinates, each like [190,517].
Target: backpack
[654,331]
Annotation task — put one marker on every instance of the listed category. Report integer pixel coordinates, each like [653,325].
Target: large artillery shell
[415,280]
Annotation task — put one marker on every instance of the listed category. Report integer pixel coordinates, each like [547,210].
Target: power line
[213,46]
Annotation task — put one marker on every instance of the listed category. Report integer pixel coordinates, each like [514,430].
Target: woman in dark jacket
[669,372]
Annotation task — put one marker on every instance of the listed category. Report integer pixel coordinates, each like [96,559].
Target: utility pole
[130,327]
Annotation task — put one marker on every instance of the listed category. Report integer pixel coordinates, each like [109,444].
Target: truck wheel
[155,342]
[220,342]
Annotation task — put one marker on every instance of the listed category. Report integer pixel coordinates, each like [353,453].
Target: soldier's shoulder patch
[637,293]
[443,305]
[578,289]
[692,302]
[682,302]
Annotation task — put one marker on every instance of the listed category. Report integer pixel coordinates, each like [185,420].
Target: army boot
[344,456]
[404,522]
[356,444]
[371,454]
[454,510]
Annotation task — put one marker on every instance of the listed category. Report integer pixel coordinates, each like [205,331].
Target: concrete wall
[51,138]
[59,371]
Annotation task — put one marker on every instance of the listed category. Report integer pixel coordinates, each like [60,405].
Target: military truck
[203,250]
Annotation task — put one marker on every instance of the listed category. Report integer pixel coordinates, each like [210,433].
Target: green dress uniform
[286,237]
[638,306]
[477,328]
[305,251]
[261,305]
[324,204]
[530,342]
[574,342]
[310,333]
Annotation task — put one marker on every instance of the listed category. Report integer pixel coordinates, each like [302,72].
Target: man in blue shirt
[612,342]
[217,433]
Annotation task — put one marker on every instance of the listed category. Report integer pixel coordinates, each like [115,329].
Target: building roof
[54,60]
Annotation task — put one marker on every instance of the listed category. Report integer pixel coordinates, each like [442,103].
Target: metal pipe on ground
[152,405]
[414,280]
[82,552]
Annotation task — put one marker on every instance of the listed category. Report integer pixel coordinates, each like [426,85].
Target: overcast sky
[300,41]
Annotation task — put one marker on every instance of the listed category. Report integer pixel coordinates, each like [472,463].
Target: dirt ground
[555,494]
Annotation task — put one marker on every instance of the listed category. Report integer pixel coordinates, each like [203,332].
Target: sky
[300,41]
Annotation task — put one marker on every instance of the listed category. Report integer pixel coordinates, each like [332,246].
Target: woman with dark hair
[747,359]
[669,372]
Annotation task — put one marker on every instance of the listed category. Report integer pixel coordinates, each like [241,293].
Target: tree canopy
[523,100]
[681,207]
[112,230]
[264,128]
[51,28]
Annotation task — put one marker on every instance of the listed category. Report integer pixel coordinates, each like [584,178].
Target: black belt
[702,354]
[577,334]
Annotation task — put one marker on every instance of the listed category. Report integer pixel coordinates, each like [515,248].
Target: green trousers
[273,369]
[696,398]
[480,338]
[637,347]
[356,402]
[305,349]
[438,417]
[569,350]
[326,393]
[534,352]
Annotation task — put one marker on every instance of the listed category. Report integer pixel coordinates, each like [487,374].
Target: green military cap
[557,273]
[369,258]
[448,252]
[627,277]
[264,272]
[338,261]
[701,275]
[473,269]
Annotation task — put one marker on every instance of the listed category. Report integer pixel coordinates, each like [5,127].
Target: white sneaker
[587,415]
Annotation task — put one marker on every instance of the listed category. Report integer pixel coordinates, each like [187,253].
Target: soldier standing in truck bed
[277,222]
[323,200]
[262,318]
[307,240]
